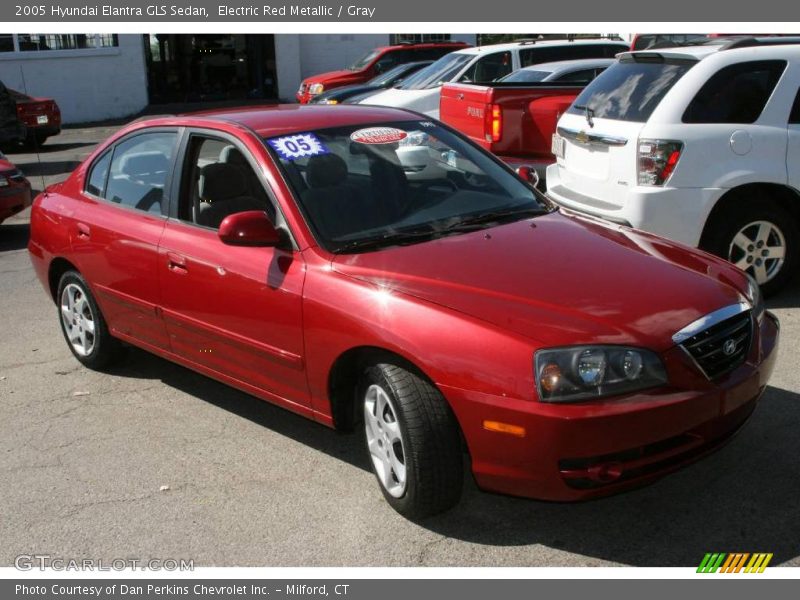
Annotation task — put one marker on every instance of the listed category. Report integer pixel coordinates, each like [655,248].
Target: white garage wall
[89,85]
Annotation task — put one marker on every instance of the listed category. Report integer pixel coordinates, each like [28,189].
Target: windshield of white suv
[630,90]
[364,187]
[440,72]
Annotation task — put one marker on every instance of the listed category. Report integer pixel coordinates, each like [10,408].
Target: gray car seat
[223,191]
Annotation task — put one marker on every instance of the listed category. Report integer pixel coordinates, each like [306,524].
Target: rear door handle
[83,230]
[176,263]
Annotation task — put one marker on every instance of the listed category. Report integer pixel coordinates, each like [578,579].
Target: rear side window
[794,117]
[544,54]
[581,77]
[735,94]
[489,68]
[139,170]
[96,182]
[630,90]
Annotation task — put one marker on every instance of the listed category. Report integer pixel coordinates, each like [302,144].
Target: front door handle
[83,231]
[176,263]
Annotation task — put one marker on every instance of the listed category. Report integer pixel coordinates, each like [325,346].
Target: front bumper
[14,198]
[585,450]
[678,214]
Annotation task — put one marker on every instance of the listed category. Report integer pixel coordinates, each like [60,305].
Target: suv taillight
[656,160]
[494,123]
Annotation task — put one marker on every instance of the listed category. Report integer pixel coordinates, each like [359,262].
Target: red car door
[231,310]
[117,231]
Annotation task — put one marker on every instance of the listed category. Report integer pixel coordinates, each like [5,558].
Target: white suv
[698,144]
[485,64]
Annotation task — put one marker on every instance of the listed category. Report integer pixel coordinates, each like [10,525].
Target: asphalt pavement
[152,461]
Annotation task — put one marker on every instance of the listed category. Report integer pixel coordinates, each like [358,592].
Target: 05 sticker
[292,147]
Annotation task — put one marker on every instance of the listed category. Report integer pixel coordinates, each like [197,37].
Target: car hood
[559,280]
[347,91]
[335,77]
[424,101]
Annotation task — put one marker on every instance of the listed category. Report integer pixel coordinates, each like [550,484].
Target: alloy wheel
[759,248]
[77,319]
[385,440]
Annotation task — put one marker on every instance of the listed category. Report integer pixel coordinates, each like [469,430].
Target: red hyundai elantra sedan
[368,267]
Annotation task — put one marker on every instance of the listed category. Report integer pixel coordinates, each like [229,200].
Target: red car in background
[365,266]
[373,63]
[41,116]
[15,190]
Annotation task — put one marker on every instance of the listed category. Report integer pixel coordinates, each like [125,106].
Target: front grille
[722,347]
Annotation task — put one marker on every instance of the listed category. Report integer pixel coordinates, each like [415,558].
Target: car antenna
[34,137]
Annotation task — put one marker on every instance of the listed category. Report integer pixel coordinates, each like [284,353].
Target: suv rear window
[630,90]
[736,93]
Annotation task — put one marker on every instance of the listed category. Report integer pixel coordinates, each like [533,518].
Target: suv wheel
[761,240]
[412,440]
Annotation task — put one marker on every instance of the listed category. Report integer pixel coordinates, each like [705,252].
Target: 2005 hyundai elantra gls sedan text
[366,267]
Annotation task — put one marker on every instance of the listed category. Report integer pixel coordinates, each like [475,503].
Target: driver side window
[219,181]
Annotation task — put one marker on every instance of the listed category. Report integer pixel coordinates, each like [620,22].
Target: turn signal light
[508,428]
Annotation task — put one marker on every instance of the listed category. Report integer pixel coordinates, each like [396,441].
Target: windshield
[366,187]
[363,61]
[630,90]
[391,75]
[440,72]
[525,76]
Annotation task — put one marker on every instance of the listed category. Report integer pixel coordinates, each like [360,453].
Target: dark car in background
[12,131]
[381,82]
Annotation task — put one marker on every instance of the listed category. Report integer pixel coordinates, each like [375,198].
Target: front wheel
[413,441]
[760,239]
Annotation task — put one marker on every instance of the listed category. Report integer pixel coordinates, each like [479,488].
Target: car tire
[412,441]
[83,325]
[760,238]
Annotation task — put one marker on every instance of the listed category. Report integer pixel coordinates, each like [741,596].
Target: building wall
[88,84]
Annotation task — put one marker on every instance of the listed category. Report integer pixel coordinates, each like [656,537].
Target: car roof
[282,119]
[570,65]
[541,44]
[729,44]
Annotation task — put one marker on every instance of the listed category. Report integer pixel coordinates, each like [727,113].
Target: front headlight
[586,372]
[755,298]
[3,181]
[316,88]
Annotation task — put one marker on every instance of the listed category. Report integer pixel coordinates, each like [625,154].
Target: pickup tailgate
[527,114]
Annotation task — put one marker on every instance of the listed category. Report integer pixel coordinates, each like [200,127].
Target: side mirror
[528,175]
[249,228]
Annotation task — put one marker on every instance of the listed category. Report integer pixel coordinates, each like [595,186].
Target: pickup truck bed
[515,121]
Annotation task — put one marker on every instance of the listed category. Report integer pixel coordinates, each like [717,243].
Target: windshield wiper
[390,238]
[495,216]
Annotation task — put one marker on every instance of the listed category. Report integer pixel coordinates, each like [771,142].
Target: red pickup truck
[514,121]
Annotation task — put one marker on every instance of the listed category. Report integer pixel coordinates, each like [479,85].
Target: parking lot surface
[154,461]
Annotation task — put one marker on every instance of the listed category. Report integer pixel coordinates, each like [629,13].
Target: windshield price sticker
[378,135]
[292,147]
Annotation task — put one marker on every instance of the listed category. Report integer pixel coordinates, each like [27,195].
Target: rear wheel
[761,239]
[83,325]
[412,440]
